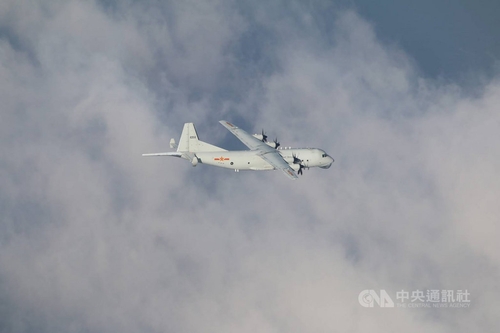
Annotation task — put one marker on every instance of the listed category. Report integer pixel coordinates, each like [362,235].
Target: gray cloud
[95,238]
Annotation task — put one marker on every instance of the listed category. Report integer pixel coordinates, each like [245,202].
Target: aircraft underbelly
[241,160]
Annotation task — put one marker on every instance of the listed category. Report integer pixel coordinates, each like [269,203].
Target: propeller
[264,136]
[276,143]
[298,161]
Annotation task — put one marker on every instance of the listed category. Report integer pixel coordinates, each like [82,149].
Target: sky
[451,40]
[95,238]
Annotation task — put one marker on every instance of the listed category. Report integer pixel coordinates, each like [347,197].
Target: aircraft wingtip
[225,122]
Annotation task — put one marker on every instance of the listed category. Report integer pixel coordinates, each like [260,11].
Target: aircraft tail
[189,141]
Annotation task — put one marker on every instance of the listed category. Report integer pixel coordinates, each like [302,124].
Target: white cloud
[96,238]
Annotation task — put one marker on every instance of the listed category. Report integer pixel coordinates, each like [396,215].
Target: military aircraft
[263,154]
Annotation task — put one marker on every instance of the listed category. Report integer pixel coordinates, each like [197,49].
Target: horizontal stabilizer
[176,154]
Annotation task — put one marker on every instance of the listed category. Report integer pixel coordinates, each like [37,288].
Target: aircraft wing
[275,159]
[268,153]
[248,140]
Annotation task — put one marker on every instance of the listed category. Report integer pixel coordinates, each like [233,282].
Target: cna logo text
[432,298]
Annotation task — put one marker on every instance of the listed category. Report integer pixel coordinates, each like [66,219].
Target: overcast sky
[94,238]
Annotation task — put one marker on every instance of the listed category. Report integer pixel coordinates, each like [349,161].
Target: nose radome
[327,166]
[331,161]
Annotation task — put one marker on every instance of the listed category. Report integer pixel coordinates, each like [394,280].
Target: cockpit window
[324,155]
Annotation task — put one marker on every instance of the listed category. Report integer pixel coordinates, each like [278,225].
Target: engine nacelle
[258,136]
[194,161]
[295,167]
[262,137]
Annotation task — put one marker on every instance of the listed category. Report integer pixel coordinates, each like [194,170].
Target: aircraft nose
[328,165]
[331,162]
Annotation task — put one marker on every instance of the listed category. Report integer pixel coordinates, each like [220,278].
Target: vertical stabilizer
[189,141]
[187,132]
